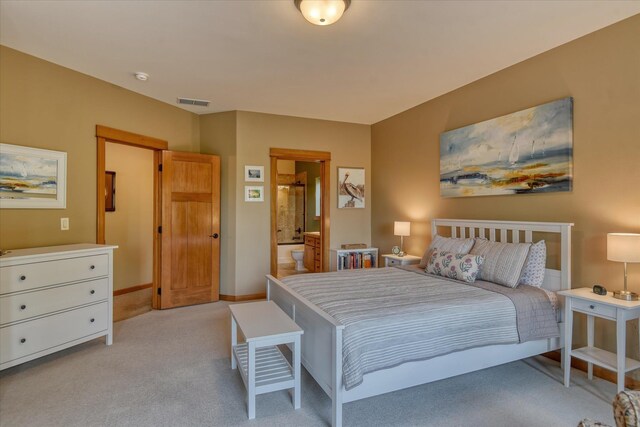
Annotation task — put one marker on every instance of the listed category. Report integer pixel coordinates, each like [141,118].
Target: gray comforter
[397,315]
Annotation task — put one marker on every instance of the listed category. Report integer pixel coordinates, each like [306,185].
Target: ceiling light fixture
[143,77]
[322,12]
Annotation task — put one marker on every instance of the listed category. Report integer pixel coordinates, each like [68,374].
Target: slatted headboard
[516,232]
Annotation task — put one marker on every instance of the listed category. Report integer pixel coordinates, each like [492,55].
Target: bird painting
[350,188]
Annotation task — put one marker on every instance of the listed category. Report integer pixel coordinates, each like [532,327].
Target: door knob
[214,235]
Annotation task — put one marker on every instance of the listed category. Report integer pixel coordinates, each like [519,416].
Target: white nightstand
[391,260]
[583,300]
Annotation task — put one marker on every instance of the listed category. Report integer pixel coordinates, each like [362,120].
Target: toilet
[297,256]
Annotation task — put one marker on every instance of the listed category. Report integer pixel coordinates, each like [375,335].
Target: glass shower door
[291,213]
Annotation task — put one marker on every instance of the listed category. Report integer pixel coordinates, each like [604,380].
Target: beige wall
[47,106]
[601,71]
[313,172]
[256,133]
[218,133]
[130,226]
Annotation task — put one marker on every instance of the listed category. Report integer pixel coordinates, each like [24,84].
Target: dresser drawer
[29,304]
[29,276]
[600,310]
[26,338]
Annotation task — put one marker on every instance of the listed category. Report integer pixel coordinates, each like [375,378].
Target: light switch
[64,223]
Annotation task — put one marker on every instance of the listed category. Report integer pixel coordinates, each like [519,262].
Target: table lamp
[401,228]
[624,247]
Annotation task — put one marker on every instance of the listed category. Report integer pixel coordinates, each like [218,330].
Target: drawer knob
[592,306]
[92,292]
[93,267]
[23,340]
[23,277]
[23,306]
[92,320]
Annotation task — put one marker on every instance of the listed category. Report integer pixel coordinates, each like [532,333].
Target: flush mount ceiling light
[143,77]
[322,12]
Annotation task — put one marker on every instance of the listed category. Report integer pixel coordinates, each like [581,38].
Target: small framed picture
[110,191]
[254,193]
[254,173]
[350,188]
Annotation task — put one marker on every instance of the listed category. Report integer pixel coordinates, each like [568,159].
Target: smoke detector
[197,102]
[143,77]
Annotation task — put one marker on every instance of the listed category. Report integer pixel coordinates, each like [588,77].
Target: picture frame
[254,173]
[32,178]
[525,152]
[351,188]
[254,193]
[109,191]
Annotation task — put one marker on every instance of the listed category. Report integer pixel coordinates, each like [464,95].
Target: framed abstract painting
[527,152]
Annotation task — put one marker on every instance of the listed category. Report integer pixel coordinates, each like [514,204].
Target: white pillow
[503,262]
[534,266]
[449,244]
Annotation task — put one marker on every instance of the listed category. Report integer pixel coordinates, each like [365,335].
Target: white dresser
[52,298]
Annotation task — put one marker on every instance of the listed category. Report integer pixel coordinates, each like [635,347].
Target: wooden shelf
[603,358]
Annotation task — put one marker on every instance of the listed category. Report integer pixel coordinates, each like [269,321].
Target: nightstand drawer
[593,308]
[390,262]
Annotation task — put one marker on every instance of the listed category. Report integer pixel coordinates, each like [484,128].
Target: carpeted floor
[171,368]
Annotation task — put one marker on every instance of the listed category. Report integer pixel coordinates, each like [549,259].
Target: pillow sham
[464,267]
[534,266]
[503,262]
[449,244]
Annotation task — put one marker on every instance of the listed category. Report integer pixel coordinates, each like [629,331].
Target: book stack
[354,260]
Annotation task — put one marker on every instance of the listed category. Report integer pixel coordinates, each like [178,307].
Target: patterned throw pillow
[462,267]
[450,244]
[534,266]
[503,262]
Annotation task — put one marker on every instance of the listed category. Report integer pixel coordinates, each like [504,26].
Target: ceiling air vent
[189,101]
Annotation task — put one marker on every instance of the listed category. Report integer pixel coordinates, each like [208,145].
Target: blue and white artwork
[530,151]
[32,177]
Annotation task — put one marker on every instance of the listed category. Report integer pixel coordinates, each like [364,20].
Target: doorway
[186,220]
[129,225]
[299,211]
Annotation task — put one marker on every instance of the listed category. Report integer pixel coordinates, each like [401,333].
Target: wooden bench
[263,367]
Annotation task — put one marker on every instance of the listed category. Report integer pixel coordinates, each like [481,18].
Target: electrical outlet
[64,223]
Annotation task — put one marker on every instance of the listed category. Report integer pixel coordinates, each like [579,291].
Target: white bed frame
[322,341]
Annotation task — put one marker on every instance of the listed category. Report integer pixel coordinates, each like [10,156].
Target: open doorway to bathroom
[299,211]
[298,217]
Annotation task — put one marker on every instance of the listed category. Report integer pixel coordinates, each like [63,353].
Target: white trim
[60,202]
[322,346]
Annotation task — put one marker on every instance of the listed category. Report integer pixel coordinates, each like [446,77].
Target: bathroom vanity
[312,252]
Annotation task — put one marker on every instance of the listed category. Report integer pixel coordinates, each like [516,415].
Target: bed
[323,319]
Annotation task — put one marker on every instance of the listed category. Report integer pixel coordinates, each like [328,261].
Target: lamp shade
[623,247]
[401,228]
[322,12]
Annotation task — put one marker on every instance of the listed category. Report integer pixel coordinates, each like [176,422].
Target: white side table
[583,300]
[263,367]
[391,260]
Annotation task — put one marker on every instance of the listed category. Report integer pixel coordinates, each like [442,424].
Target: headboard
[517,232]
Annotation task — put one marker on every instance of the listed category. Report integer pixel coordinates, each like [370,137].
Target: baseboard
[132,303]
[234,298]
[135,288]
[597,370]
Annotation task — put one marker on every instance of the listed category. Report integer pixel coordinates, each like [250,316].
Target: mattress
[396,315]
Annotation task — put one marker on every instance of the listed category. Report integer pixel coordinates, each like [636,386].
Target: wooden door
[190,235]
